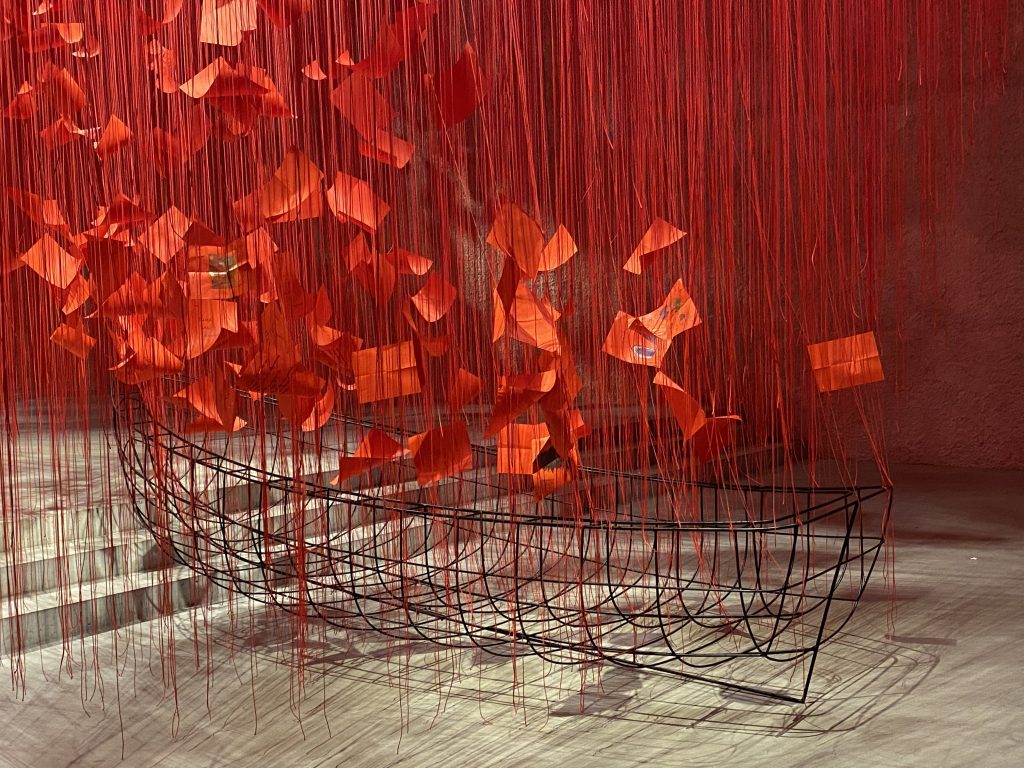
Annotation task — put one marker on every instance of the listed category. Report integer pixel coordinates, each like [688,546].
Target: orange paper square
[383,373]
[846,362]
[519,445]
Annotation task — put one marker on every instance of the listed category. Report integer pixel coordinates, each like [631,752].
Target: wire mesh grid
[736,584]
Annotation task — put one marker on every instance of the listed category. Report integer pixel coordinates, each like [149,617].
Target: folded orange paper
[351,199]
[466,387]
[515,394]
[224,22]
[846,362]
[659,235]
[461,89]
[441,452]
[374,449]
[51,262]
[361,104]
[519,445]
[517,234]
[73,338]
[629,341]
[293,194]
[676,314]
[522,315]
[435,298]
[550,479]
[383,373]
[708,435]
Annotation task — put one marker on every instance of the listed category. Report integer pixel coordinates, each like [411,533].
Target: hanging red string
[633,237]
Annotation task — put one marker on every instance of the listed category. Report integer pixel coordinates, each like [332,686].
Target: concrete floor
[933,678]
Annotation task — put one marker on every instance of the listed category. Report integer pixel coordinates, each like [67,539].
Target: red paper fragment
[708,436]
[129,299]
[215,398]
[518,236]
[519,445]
[23,105]
[687,411]
[394,42]
[435,298]
[565,423]
[314,72]
[204,322]
[715,436]
[224,22]
[466,388]
[434,346]
[148,359]
[275,365]
[47,36]
[60,89]
[629,341]
[460,90]
[51,262]
[408,263]
[676,314]
[75,295]
[335,348]
[550,479]
[166,236]
[43,212]
[361,104]
[351,199]
[523,316]
[89,48]
[374,449]
[387,53]
[515,394]
[321,412]
[61,132]
[74,339]
[110,264]
[163,63]
[115,135]
[376,275]
[122,211]
[220,80]
[846,362]
[659,235]
[441,452]
[387,148]
[560,248]
[293,193]
[240,112]
[383,373]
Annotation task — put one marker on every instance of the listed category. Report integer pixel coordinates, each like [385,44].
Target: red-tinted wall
[956,378]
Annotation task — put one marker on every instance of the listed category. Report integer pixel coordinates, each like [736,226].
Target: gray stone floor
[931,678]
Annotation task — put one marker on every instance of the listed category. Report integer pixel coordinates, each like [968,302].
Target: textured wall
[957,398]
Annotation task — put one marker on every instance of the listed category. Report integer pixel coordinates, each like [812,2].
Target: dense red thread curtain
[356,209]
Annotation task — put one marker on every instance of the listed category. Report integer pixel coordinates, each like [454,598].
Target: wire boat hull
[739,585]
